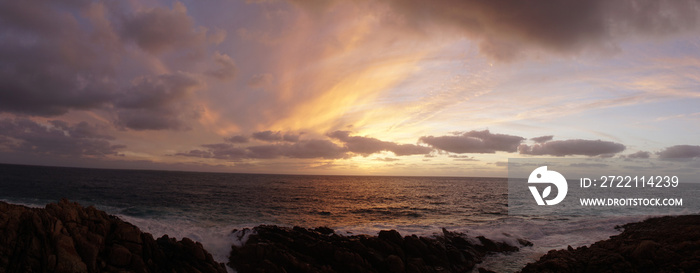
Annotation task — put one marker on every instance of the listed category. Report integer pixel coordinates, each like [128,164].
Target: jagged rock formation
[280,249]
[665,244]
[66,237]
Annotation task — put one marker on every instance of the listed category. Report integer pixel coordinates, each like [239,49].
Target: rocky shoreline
[66,237]
[280,249]
[663,244]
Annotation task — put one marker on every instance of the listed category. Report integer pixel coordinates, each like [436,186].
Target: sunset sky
[366,87]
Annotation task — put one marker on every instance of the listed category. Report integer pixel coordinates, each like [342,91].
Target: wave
[545,233]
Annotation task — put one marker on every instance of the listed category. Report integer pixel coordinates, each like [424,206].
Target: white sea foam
[240,237]
[545,235]
[216,239]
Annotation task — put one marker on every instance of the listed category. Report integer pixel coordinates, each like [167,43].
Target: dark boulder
[280,249]
[66,237]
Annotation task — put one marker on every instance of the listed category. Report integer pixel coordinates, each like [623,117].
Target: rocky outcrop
[665,244]
[280,249]
[66,237]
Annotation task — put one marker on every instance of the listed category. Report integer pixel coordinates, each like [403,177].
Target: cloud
[260,80]
[57,57]
[157,103]
[290,145]
[270,136]
[48,64]
[572,147]
[639,154]
[237,139]
[474,142]
[289,137]
[680,151]
[500,163]
[542,139]
[387,159]
[589,165]
[226,67]
[462,158]
[157,30]
[367,145]
[218,151]
[504,30]
[315,148]
[55,138]
[507,30]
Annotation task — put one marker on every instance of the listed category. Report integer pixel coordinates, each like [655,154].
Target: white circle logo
[540,176]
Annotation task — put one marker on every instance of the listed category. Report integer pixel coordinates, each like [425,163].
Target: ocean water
[206,207]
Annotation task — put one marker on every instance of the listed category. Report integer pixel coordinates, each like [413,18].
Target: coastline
[66,237]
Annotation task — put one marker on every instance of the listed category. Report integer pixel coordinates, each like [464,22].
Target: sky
[363,87]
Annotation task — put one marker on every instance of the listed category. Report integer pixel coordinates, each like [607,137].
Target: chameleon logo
[540,176]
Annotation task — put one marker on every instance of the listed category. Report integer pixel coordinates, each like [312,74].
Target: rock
[664,244]
[119,256]
[281,249]
[391,236]
[324,230]
[395,264]
[66,237]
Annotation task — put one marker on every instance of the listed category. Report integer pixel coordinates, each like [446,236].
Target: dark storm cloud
[157,92]
[639,154]
[57,56]
[573,147]
[156,103]
[48,65]
[542,139]
[474,142]
[504,30]
[680,151]
[55,138]
[368,145]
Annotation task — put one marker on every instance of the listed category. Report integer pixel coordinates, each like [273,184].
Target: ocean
[206,207]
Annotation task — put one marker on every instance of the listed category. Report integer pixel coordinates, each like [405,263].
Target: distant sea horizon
[244,173]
